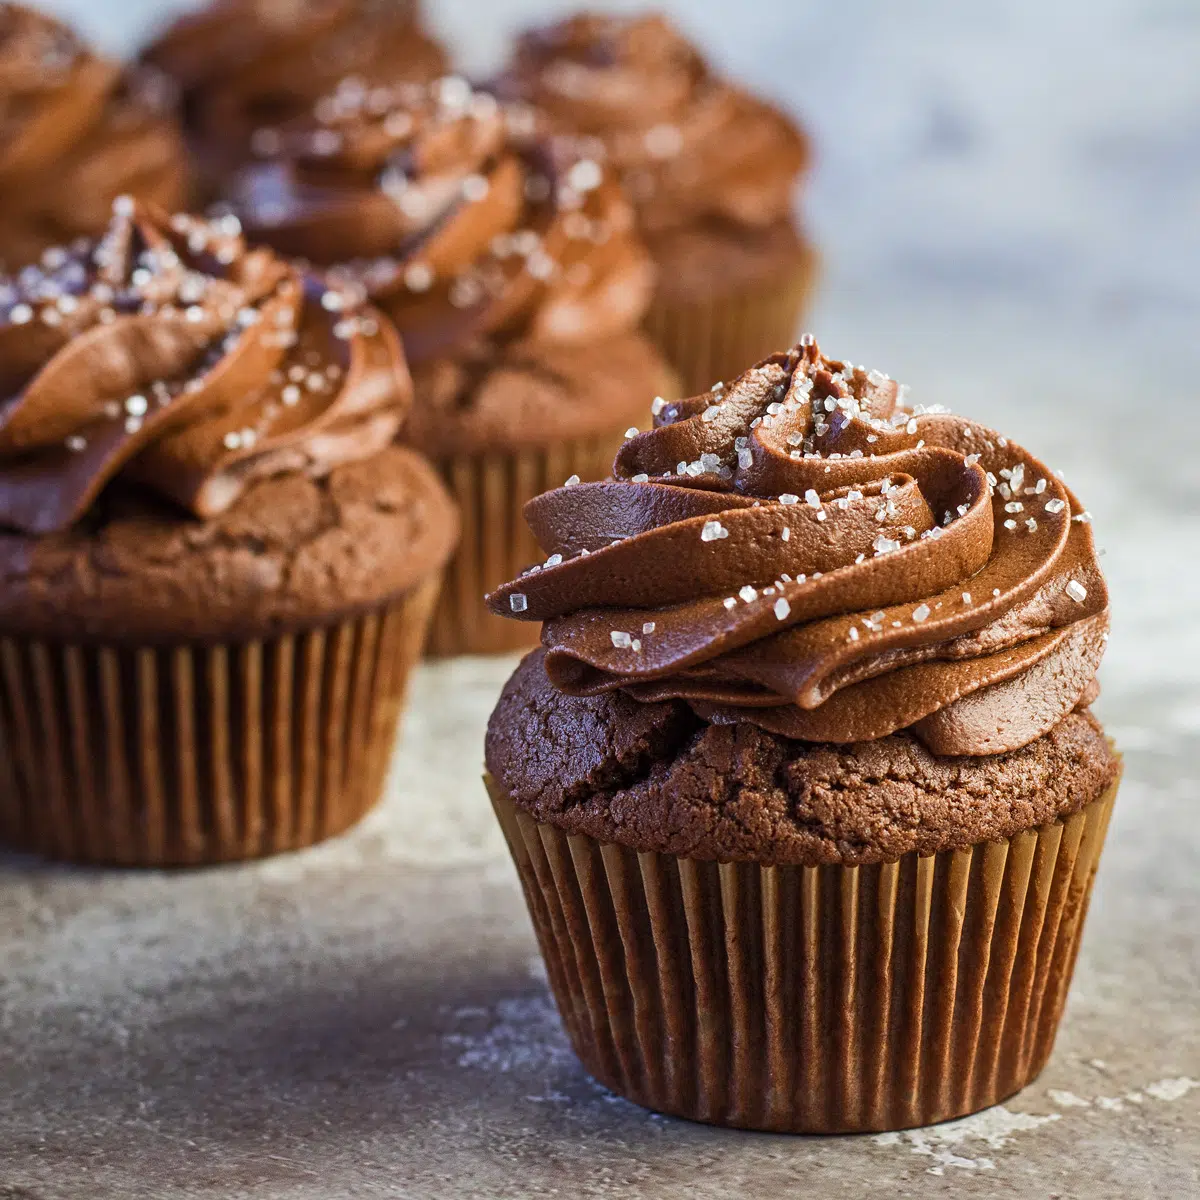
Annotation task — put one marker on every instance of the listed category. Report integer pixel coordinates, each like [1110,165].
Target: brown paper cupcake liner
[811,999]
[191,754]
[491,491]
[719,338]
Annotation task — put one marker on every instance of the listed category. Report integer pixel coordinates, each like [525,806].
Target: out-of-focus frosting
[425,199]
[686,143]
[801,550]
[76,131]
[246,65]
[169,354]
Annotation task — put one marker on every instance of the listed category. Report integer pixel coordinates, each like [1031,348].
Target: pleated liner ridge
[491,491]
[191,754]
[718,338]
[811,999]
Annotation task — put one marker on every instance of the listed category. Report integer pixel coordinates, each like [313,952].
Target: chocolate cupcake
[711,169]
[803,788]
[78,131]
[218,568]
[245,66]
[513,273]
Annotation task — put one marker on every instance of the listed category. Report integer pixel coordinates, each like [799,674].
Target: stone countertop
[1006,205]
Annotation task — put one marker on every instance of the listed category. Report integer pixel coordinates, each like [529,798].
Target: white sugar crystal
[621,640]
[782,608]
[710,412]
[713,531]
[136,406]
[572,481]
[885,545]
[730,602]
[966,597]
[1076,591]
[1056,505]
[785,533]
[641,478]
[76,444]
[658,405]
[648,627]
[812,499]
[554,560]
[745,459]
[921,612]
[971,459]
[853,635]
[518,602]
[631,432]
[748,593]
[789,498]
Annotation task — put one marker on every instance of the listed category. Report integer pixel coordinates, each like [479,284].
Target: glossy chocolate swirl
[248,65]
[169,355]
[425,199]
[76,131]
[686,143]
[801,550]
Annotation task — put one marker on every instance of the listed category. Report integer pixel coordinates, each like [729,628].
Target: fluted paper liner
[811,999]
[717,338]
[491,491]
[190,754]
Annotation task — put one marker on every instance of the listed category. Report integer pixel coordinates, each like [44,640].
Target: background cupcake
[78,131]
[511,267]
[244,66]
[712,170]
[218,569]
[803,788]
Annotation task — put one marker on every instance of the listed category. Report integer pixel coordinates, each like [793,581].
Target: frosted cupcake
[512,270]
[803,787]
[218,568]
[712,170]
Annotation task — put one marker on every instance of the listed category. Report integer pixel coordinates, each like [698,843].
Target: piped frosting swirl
[427,200]
[685,143]
[803,550]
[170,355]
[76,131]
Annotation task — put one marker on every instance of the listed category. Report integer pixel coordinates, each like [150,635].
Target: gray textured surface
[1007,207]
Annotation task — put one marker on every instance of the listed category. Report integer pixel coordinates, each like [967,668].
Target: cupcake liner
[822,999]
[719,337]
[190,754]
[491,491]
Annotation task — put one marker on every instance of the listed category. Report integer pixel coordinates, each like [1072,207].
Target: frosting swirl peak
[426,199]
[169,354]
[803,550]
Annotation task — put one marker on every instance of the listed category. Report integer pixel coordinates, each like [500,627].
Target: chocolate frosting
[425,199]
[687,144]
[170,355]
[76,131]
[802,550]
[246,65]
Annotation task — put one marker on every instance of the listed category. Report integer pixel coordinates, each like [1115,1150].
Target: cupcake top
[688,145]
[246,65]
[76,131]
[804,552]
[160,384]
[425,199]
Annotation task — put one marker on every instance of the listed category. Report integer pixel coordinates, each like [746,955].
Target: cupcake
[244,66]
[512,271]
[711,169]
[218,567]
[803,787]
[78,132]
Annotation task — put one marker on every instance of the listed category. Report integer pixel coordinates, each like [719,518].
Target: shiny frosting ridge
[76,131]
[427,199]
[170,355]
[246,65]
[686,143]
[802,550]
